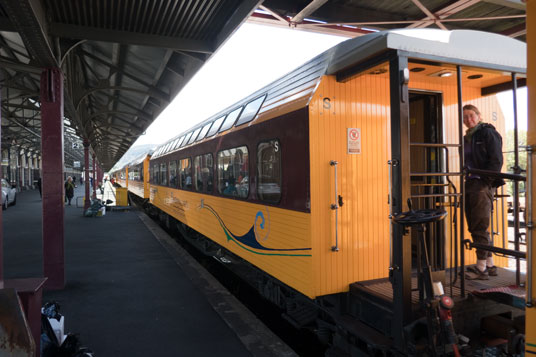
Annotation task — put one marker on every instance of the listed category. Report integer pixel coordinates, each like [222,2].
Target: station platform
[131,290]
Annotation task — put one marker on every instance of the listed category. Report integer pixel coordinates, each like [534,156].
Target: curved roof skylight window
[251,110]
[188,136]
[214,129]
[204,132]
[194,136]
[230,120]
[179,142]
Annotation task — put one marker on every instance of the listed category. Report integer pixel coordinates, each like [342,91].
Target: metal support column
[94,177]
[517,171]
[99,174]
[1,219]
[530,325]
[52,181]
[400,150]
[86,174]
[461,153]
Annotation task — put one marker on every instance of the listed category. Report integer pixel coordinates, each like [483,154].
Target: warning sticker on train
[354,141]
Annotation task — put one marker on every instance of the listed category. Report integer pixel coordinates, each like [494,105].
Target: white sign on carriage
[354,140]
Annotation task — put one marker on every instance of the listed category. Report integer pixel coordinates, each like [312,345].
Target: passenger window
[186,139]
[173,174]
[204,173]
[230,120]
[203,132]
[233,172]
[163,174]
[269,171]
[194,136]
[135,173]
[214,128]
[250,111]
[155,176]
[185,173]
[179,142]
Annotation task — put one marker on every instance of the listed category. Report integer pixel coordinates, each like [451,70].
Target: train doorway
[426,130]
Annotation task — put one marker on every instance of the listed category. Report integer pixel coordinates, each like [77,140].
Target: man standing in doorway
[483,151]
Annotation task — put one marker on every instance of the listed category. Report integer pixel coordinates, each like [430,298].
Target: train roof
[463,47]
[139,159]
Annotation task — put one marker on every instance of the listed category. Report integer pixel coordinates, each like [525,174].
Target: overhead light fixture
[380,70]
[417,69]
[475,76]
[443,73]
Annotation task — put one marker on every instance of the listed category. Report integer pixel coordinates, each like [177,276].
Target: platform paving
[130,291]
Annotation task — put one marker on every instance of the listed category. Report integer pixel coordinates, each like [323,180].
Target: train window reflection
[233,172]
[163,174]
[204,173]
[186,139]
[179,142]
[155,174]
[269,171]
[214,129]
[230,120]
[185,173]
[173,174]
[203,132]
[194,135]
[250,111]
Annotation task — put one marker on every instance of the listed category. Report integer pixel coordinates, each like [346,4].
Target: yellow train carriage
[138,170]
[334,109]
[362,102]
[301,178]
[122,177]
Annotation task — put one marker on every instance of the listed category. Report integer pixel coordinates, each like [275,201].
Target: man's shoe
[492,271]
[473,273]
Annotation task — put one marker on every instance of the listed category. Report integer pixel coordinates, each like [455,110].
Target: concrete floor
[126,295]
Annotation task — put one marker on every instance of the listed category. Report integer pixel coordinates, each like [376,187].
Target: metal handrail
[431,174]
[495,174]
[510,252]
[434,145]
[335,207]
[530,226]
[436,195]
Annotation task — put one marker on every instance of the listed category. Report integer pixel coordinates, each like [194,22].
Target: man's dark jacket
[486,150]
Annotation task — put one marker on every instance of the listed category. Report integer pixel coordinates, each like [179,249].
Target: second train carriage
[138,171]
[300,178]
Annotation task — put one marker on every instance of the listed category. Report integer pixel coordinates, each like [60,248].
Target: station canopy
[124,61]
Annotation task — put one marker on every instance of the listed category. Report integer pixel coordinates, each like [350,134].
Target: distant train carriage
[138,170]
[122,177]
[301,177]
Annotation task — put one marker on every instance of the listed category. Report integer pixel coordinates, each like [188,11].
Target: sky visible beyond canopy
[253,57]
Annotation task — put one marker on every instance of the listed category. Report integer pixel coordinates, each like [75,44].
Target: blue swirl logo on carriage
[259,231]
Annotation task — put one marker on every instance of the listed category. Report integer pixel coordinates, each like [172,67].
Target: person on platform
[483,151]
[39,186]
[69,190]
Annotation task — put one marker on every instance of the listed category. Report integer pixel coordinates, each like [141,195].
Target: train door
[427,160]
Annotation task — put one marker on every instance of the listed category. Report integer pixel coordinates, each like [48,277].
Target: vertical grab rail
[529,225]
[391,164]
[335,206]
